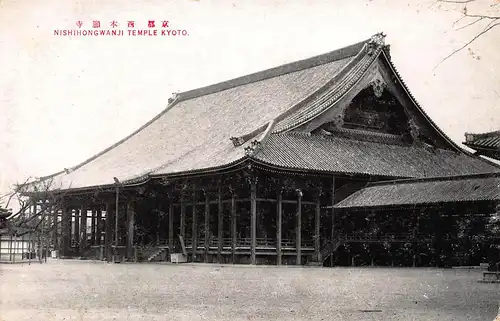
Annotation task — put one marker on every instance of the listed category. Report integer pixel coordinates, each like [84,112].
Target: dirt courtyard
[83,290]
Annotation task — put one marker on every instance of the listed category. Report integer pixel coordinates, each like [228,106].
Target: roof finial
[376,42]
[174,97]
[237,141]
[378,39]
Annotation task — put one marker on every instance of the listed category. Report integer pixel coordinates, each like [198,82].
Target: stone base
[178,258]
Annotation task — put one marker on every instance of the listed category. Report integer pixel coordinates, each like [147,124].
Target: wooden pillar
[41,224]
[72,214]
[233,227]
[55,225]
[83,229]
[108,239]
[317,239]
[220,226]
[171,227]
[182,228]
[65,230]
[253,210]
[98,226]
[92,226]
[158,221]
[130,230]
[279,223]
[416,221]
[332,235]
[194,231]
[298,233]
[77,227]
[207,226]
[117,217]
[10,248]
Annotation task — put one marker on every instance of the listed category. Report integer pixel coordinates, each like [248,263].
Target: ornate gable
[376,105]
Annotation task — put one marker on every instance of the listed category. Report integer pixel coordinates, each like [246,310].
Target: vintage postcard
[250,160]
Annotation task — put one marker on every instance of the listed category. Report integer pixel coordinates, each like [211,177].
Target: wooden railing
[397,237]
[247,243]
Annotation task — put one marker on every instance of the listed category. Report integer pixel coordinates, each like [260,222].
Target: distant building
[19,246]
[487,144]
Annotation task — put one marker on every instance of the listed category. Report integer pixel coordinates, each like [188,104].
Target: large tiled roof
[193,133]
[425,191]
[346,155]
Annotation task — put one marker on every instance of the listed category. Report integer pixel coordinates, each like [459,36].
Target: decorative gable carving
[374,109]
[376,104]
[378,86]
[414,130]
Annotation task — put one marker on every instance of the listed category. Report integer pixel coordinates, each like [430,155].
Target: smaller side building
[17,248]
[443,221]
[15,245]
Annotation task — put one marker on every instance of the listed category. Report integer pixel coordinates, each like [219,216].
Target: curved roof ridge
[325,99]
[313,97]
[294,66]
[334,89]
[422,111]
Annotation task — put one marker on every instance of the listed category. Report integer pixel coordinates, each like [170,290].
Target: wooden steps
[157,253]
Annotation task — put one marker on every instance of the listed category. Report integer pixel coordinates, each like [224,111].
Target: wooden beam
[207,226]
[279,223]
[317,218]
[245,200]
[233,227]
[220,226]
[130,230]
[253,210]
[194,229]
[298,233]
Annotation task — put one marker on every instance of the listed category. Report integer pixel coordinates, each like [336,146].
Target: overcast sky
[65,99]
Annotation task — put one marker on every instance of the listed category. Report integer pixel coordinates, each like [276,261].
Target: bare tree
[484,14]
[34,203]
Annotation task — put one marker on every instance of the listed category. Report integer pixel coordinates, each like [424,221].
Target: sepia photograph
[250,160]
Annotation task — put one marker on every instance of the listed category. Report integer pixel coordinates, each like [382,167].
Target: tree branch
[494,22]
[470,24]
[483,16]
[457,1]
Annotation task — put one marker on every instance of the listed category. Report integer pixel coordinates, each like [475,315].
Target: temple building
[487,144]
[251,170]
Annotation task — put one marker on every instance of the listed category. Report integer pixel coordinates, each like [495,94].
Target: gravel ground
[80,290]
